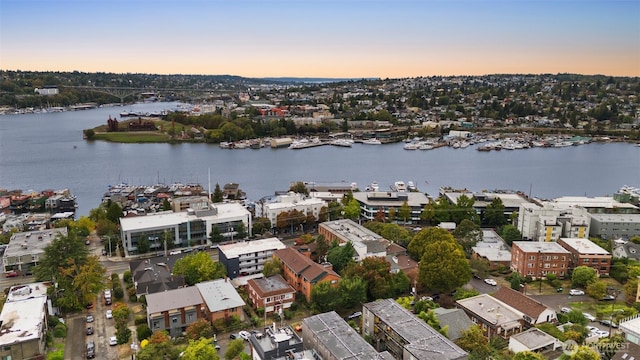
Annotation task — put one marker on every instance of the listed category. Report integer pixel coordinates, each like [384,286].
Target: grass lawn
[133,137]
[57,351]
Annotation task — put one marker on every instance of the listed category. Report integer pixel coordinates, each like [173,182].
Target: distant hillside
[309,80]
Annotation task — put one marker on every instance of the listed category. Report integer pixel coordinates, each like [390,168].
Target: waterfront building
[365,242]
[273,294]
[332,338]
[405,336]
[292,201]
[25,249]
[595,205]
[247,257]
[585,252]
[537,259]
[174,310]
[511,200]
[371,202]
[184,229]
[24,322]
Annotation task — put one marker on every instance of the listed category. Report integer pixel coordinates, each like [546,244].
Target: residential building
[626,249]
[537,259]
[455,320]
[534,311]
[493,249]
[613,226]
[174,310]
[510,201]
[585,252]
[630,329]
[595,205]
[365,242]
[333,339]
[25,249]
[184,203]
[302,273]
[221,299]
[187,228]
[278,344]
[549,223]
[273,294]
[23,322]
[289,202]
[394,329]
[496,318]
[247,257]
[373,202]
[155,274]
[534,340]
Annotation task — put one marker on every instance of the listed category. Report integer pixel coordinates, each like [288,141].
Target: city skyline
[331,39]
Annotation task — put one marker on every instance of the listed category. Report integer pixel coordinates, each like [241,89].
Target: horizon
[357,39]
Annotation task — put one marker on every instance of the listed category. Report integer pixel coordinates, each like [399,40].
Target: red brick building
[537,259]
[585,252]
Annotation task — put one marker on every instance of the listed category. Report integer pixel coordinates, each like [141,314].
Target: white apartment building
[549,223]
[289,202]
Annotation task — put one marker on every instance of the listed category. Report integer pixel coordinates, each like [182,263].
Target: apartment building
[372,202]
[174,310]
[549,223]
[302,273]
[289,202]
[537,259]
[494,317]
[247,257]
[273,294]
[614,226]
[585,252]
[25,249]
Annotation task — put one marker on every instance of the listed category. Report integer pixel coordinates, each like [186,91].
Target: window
[190,317]
[546,266]
[155,325]
[530,265]
[8,357]
[548,257]
[532,257]
[555,257]
[174,320]
[586,261]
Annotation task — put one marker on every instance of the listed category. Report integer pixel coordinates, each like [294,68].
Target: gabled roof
[303,266]
[455,319]
[521,302]
[154,275]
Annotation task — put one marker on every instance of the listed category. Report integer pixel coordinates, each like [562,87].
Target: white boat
[411,146]
[373,187]
[411,186]
[342,142]
[372,141]
[399,186]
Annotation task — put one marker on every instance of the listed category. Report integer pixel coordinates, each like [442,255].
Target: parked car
[11,274]
[609,298]
[608,323]
[576,292]
[89,318]
[91,350]
[233,336]
[113,341]
[89,330]
[355,315]
[565,310]
[589,316]
[245,335]
[109,314]
[491,282]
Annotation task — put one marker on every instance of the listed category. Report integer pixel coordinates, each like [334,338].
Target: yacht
[373,187]
[372,141]
[399,186]
[411,186]
[411,146]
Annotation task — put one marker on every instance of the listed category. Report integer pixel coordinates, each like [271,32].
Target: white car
[491,282]
[109,314]
[565,310]
[113,341]
[245,335]
[589,316]
[592,329]
[576,292]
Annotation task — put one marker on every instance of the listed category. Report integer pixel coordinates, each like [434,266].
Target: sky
[322,38]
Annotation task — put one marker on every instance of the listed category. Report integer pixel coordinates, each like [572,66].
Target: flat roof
[534,338]
[587,202]
[31,242]
[423,341]
[173,299]
[249,247]
[535,246]
[220,295]
[493,310]
[619,218]
[492,254]
[167,219]
[26,291]
[22,320]
[350,230]
[584,246]
[386,198]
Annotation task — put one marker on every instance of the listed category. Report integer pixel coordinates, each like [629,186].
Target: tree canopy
[198,267]
[583,276]
[443,265]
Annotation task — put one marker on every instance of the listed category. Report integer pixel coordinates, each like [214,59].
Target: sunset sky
[322,38]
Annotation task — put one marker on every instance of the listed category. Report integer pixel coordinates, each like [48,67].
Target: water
[46,151]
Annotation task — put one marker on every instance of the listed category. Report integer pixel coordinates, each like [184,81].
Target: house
[455,320]
[537,259]
[534,311]
[174,310]
[585,252]
[302,273]
[23,322]
[534,340]
[626,250]
[393,328]
[25,249]
[247,257]
[496,318]
[155,274]
[221,300]
[273,293]
[332,338]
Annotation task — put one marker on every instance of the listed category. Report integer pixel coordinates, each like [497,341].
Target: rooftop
[584,246]
[350,230]
[492,310]
[534,338]
[22,320]
[372,198]
[32,242]
[220,295]
[173,299]
[249,247]
[535,246]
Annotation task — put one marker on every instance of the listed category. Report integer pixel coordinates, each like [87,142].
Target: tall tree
[441,210]
[299,187]
[474,341]
[201,349]
[198,329]
[464,210]
[322,246]
[510,234]
[325,297]
[241,230]
[217,196]
[143,244]
[352,210]
[428,213]
[272,267]
[335,210]
[404,212]
[341,256]
[114,213]
[417,245]
[444,266]
[215,235]
[353,291]
[494,214]
[467,234]
[583,276]
[198,267]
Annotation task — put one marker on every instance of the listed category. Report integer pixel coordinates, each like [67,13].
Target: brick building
[537,259]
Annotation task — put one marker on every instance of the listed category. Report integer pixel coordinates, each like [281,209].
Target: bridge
[124,92]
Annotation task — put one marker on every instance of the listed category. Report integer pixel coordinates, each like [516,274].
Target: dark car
[608,298]
[234,336]
[89,330]
[608,323]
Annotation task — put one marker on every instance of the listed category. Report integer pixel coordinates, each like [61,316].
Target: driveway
[76,337]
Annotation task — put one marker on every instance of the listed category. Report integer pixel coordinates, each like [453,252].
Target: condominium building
[585,252]
[537,259]
[374,202]
[247,257]
[25,249]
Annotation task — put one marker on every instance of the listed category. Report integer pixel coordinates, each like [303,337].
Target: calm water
[46,151]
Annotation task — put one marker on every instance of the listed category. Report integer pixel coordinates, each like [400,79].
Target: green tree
[352,210]
[198,329]
[576,317]
[159,347]
[474,341]
[272,267]
[430,318]
[441,210]
[353,291]
[241,230]
[215,235]
[443,266]
[260,225]
[166,205]
[341,256]
[234,349]
[322,247]
[510,234]
[200,349]
[584,353]
[299,187]
[143,331]
[597,289]
[198,267]
[528,355]
[467,234]
[464,210]
[494,214]
[335,210]
[404,212]
[427,213]
[325,297]
[217,196]
[143,244]
[583,276]
[114,213]
[417,245]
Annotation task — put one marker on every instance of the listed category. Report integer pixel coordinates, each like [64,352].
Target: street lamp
[614,293]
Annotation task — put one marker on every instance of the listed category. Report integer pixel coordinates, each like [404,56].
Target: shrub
[139,320]
[115,278]
[142,299]
[118,293]
[131,292]
[127,277]
[53,321]
[60,331]
[123,335]
[143,331]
